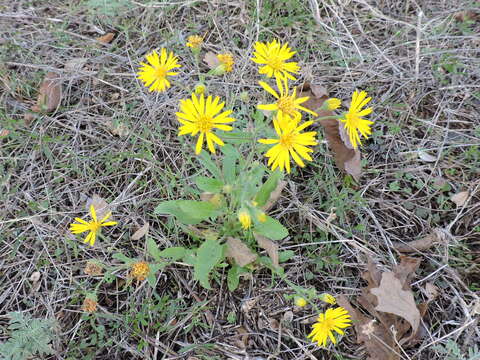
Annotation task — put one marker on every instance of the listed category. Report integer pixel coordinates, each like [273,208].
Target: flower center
[95,226]
[286,105]
[205,123]
[352,120]
[160,72]
[287,141]
[275,62]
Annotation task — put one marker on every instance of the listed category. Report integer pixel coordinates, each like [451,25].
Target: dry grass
[419,61]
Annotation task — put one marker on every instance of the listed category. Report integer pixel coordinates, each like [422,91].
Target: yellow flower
[155,73]
[332,320]
[194,41]
[286,104]
[329,299]
[300,302]
[273,56]
[245,219]
[354,122]
[140,270]
[261,217]
[226,62]
[199,115]
[333,103]
[200,88]
[290,142]
[93,226]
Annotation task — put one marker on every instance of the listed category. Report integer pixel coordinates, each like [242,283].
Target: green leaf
[153,250]
[266,189]
[209,254]
[175,253]
[208,184]
[233,276]
[188,212]
[285,255]
[206,160]
[237,137]
[272,229]
[229,162]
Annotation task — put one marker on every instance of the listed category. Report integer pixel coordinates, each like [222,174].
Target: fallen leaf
[426,157]
[460,198]
[240,252]
[394,300]
[211,60]
[432,291]
[354,166]
[274,323]
[35,277]
[4,132]
[141,232]
[100,205]
[117,128]
[241,340]
[422,244]
[248,304]
[49,94]
[405,271]
[106,39]
[269,246]
[274,195]
[75,64]
[378,342]
[287,316]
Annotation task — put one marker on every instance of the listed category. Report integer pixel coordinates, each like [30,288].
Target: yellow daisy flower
[287,104]
[245,219]
[199,115]
[354,122]
[333,103]
[194,41]
[93,226]
[155,74]
[273,56]
[332,320]
[290,142]
[226,62]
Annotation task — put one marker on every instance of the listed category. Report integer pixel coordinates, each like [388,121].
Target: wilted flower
[92,268]
[89,305]
[333,103]
[194,42]
[226,63]
[140,270]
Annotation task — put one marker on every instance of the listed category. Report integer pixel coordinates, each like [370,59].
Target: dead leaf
[100,205]
[248,304]
[287,316]
[141,232]
[240,252]
[241,340]
[405,271]
[106,39]
[75,64]
[460,198]
[274,323]
[432,291]
[4,132]
[49,94]
[422,244]
[117,128]
[426,157]
[274,195]
[211,60]
[379,344]
[394,300]
[35,277]
[354,166]
[269,246]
